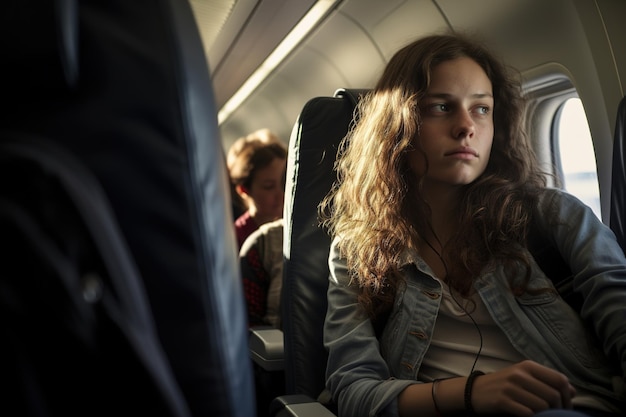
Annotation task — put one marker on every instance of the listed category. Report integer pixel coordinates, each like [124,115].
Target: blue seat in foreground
[121,292]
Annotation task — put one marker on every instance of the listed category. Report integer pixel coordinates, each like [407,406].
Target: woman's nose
[464,125]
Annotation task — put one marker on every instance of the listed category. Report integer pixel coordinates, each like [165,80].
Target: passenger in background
[435,304]
[264,135]
[261,259]
[257,165]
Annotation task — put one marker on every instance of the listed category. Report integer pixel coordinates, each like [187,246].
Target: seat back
[123,88]
[322,124]
[74,313]
[618,177]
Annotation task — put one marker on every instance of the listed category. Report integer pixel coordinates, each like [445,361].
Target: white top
[456,340]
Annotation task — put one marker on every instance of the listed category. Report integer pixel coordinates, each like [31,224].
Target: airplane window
[577,158]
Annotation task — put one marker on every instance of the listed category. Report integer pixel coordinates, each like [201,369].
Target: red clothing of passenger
[256,282]
[244,226]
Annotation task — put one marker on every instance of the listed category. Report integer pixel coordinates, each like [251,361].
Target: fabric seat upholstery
[124,88]
[321,126]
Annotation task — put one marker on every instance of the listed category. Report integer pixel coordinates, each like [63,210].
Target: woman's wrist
[444,397]
[449,396]
[433,394]
[467,392]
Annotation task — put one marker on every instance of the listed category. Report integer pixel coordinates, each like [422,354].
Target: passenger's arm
[357,376]
[419,399]
[599,267]
[523,389]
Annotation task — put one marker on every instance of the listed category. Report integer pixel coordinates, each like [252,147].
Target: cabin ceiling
[238,35]
[350,46]
[354,44]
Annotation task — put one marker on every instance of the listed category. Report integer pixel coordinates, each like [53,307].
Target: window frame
[546,90]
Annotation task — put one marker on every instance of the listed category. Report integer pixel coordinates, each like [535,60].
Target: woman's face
[456,133]
[266,194]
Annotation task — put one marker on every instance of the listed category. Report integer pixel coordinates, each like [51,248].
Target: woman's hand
[522,390]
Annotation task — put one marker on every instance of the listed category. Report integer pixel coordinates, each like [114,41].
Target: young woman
[435,304]
[257,166]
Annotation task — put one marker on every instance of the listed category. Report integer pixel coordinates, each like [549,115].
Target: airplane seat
[322,124]
[108,112]
[618,177]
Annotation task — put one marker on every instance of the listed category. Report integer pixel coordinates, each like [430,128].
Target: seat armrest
[298,406]
[267,348]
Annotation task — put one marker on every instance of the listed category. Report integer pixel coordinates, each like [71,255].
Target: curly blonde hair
[376,205]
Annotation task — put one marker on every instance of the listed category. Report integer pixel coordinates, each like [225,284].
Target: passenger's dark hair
[254,155]
[242,163]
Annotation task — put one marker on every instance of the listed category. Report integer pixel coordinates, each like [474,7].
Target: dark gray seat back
[123,89]
[322,124]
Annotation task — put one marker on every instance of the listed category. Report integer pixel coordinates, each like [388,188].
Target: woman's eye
[484,110]
[439,107]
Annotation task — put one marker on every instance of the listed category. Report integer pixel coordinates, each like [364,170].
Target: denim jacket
[366,374]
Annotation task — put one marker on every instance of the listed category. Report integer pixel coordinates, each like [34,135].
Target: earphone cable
[445,267]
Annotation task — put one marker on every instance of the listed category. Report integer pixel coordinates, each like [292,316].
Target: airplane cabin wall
[583,39]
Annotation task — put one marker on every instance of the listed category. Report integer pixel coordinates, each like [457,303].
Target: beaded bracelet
[467,397]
